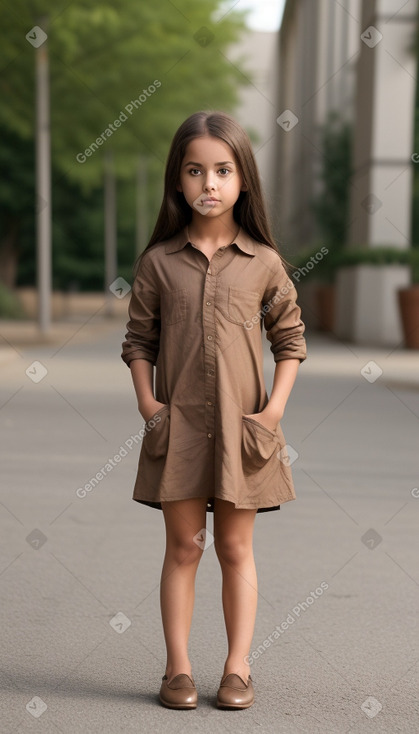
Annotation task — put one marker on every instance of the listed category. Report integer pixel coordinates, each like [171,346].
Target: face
[209,177]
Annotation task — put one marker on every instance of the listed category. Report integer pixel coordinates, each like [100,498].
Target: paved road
[336,644]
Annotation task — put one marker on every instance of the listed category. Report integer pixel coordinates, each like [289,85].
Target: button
[208,303]
[209,402]
[209,337]
[209,435]
[211,373]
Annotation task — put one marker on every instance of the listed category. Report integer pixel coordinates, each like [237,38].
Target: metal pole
[141,205]
[110,232]
[43,185]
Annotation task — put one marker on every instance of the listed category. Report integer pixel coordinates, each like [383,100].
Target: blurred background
[92,94]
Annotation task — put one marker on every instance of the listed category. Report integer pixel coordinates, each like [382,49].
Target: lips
[205,203]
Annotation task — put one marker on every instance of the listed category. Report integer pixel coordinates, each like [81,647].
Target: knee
[232,550]
[184,550]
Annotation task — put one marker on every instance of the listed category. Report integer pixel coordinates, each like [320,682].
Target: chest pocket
[174,306]
[243,306]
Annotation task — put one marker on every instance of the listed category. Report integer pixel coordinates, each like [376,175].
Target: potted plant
[318,266]
[326,295]
[368,280]
[408,299]
[331,211]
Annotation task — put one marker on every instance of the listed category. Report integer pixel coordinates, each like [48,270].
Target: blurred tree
[17,191]
[77,223]
[331,206]
[122,73]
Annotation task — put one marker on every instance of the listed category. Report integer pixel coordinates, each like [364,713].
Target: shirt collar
[178,242]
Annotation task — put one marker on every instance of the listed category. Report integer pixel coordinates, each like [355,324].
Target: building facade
[354,59]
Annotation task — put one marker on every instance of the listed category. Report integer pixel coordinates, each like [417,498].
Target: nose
[210,184]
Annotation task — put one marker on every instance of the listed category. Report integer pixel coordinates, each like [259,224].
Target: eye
[224,171]
[194,171]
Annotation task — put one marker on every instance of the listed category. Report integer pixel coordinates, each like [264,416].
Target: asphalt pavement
[336,647]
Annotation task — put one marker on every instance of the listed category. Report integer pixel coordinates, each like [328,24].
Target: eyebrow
[221,163]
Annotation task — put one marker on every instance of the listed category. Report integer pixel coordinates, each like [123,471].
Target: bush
[381,256]
[331,205]
[10,306]
[325,268]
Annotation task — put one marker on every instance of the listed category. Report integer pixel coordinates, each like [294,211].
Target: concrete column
[381,193]
[296,151]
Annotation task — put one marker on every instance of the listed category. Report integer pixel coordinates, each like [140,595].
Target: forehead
[208,149]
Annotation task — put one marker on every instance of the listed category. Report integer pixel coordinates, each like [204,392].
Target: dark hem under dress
[210,505]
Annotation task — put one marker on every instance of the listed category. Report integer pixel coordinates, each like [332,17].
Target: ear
[244,188]
[178,187]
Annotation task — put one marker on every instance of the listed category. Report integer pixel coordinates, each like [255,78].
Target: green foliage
[17,201]
[380,255]
[325,269]
[102,56]
[415,183]
[413,49]
[377,255]
[10,306]
[332,212]
[331,206]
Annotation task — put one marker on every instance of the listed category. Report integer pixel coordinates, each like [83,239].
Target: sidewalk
[335,642]
[328,355]
[16,335]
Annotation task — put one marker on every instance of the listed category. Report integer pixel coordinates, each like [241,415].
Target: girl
[207,280]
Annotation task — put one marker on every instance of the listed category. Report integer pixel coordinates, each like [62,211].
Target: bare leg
[233,539]
[183,519]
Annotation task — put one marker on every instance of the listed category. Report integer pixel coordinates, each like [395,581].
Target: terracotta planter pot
[409,311]
[325,302]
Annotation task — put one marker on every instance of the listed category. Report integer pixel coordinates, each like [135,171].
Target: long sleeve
[143,335]
[284,327]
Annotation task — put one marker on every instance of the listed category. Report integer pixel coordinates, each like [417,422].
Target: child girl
[207,280]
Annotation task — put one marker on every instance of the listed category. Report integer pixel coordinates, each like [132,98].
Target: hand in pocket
[264,420]
[156,407]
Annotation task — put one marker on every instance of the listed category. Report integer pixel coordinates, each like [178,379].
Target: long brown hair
[249,210]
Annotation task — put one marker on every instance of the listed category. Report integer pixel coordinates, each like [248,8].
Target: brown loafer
[179,693]
[234,693]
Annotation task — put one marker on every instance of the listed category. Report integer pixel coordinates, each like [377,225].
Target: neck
[221,230]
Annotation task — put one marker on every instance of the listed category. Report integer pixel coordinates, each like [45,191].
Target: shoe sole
[170,705]
[221,705]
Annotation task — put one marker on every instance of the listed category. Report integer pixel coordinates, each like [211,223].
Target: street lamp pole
[43,185]
[111,264]
[141,204]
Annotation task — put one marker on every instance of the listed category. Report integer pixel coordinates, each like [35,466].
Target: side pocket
[156,439]
[258,445]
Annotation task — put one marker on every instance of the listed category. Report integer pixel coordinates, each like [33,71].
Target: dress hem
[210,504]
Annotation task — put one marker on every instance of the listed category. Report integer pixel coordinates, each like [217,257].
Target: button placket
[209,350]
[208,324]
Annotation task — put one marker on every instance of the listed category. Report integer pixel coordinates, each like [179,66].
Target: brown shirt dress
[200,323]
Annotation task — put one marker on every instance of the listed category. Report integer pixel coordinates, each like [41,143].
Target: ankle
[238,667]
[173,670]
